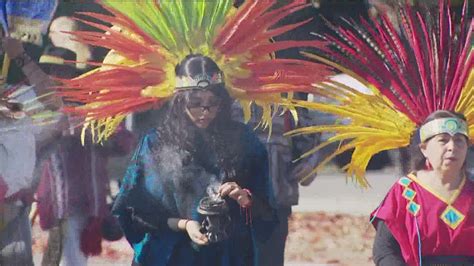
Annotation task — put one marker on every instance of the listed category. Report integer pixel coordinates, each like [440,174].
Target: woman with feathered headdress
[190,58]
[420,73]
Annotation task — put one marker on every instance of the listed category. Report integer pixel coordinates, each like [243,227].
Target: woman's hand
[193,230]
[235,192]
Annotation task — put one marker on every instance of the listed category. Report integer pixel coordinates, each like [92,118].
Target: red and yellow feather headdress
[149,38]
[423,66]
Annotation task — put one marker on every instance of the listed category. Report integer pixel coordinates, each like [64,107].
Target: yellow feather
[370,125]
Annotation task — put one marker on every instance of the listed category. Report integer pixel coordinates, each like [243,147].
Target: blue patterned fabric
[160,184]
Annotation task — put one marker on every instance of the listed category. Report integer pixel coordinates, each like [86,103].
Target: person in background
[21,141]
[284,173]
[74,181]
[72,196]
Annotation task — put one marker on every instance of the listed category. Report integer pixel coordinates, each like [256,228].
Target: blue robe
[160,184]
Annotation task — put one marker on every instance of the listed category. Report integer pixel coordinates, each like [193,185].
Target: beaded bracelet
[249,194]
[246,208]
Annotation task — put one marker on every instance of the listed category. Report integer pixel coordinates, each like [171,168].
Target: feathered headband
[149,38]
[424,66]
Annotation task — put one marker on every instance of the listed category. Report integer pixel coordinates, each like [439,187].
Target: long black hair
[219,138]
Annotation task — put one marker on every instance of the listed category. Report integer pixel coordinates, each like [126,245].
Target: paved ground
[333,193]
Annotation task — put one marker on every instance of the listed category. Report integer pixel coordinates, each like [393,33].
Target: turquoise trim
[452,217]
[409,193]
[413,208]
[405,181]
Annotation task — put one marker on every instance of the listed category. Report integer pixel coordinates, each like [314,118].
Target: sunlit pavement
[333,193]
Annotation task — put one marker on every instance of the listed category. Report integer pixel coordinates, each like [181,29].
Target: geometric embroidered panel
[409,194]
[404,181]
[413,208]
[452,217]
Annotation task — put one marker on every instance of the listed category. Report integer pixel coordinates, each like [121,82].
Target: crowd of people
[45,161]
[225,131]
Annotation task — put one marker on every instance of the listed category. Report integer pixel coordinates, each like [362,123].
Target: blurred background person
[21,138]
[285,174]
[74,181]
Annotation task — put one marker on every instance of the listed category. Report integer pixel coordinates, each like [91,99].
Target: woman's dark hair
[176,127]
[418,160]
[196,64]
[176,119]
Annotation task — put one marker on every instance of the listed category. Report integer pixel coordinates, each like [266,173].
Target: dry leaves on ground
[323,238]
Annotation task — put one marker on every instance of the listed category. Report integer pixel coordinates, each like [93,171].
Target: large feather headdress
[149,38]
[424,65]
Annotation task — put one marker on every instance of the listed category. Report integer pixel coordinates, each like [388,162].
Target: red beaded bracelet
[249,194]
[246,208]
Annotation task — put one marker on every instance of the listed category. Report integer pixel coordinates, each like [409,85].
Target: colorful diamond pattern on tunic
[413,208]
[409,193]
[404,181]
[452,217]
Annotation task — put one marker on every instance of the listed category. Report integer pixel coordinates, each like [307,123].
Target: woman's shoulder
[151,135]
[247,133]
[236,125]
[240,127]
[148,139]
[245,136]
[402,180]
[236,129]
[394,201]
[401,184]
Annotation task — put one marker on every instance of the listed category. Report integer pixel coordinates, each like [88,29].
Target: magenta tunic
[417,216]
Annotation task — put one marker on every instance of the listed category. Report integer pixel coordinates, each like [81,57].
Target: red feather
[119,90]
[420,68]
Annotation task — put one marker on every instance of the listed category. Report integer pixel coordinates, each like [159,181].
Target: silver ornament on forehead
[199,81]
